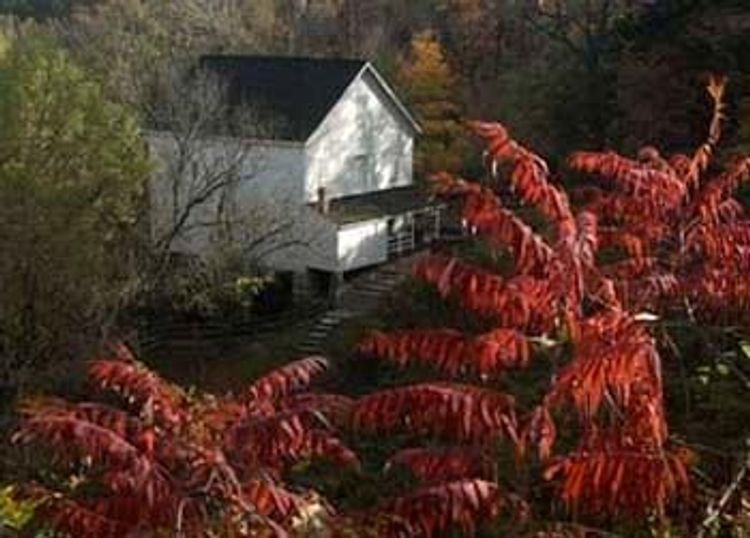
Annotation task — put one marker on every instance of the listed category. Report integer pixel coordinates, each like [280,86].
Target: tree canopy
[72,172]
[430,87]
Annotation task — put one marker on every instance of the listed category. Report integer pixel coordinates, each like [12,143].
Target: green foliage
[14,514]
[129,44]
[72,176]
[215,287]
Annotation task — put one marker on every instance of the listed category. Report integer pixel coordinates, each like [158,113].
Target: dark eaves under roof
[292,95]
[378,204]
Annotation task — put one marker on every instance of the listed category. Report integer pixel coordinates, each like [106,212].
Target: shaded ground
[220,366]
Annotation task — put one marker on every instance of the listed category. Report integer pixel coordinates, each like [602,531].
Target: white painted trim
[357,223]
[392,94]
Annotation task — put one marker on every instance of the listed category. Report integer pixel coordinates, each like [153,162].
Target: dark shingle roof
[295,94]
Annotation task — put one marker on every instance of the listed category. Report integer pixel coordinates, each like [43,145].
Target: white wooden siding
[315,244]
[362,244]
[268,196]
[363,145]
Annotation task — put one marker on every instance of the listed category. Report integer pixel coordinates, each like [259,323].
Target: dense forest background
[82,80]
[575,74]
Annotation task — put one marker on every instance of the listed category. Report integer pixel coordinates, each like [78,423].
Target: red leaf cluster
[453,411]
[613,378]
[484,213]
[614,357]
[140,386]
[521,302]
[430,511]
[667,210]
[677,240]
[487,355]
[660,190]
[182,464]
[288,378]
[285,438]
[530,172]
[442,465]
[625,481]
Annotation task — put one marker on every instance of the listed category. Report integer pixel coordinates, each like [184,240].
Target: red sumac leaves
[452,411]
[626,482]
[287,379]
[450,351]
[430,511]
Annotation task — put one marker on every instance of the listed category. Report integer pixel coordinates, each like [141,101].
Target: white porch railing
[405,240]
[401,243]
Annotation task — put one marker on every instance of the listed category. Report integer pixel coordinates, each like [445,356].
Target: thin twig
[715,511]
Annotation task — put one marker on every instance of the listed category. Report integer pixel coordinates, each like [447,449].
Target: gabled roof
[293,95]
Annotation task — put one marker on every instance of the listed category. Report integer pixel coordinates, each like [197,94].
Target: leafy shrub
[175,462]
[661,239]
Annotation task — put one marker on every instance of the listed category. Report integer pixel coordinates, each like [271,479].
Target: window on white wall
[362,171]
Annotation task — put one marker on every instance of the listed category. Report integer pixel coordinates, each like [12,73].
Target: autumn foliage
[179,463]
[655,236]
[676,242]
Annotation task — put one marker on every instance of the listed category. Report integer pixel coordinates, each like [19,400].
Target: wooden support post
[334,288]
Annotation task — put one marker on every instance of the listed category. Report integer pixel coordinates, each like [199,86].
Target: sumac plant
[170,463]
[653,237]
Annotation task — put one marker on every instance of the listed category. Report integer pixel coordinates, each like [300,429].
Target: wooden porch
[414,230]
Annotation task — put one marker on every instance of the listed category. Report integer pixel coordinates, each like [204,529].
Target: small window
[361,169]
